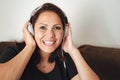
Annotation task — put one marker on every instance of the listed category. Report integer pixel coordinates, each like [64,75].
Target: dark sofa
[103,60]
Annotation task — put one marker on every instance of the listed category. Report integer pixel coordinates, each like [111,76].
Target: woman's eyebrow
[43,24]
[57,25]
[48,25]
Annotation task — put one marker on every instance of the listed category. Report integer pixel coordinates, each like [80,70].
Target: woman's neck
[44,56]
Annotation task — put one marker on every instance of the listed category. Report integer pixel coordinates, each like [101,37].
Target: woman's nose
[50,33]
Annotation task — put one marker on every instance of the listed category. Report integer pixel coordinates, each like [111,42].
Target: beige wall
[95,22]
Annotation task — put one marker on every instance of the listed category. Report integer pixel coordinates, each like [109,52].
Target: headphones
[30,27]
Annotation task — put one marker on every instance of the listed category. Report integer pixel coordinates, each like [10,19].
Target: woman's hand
[27,36]
[68,44]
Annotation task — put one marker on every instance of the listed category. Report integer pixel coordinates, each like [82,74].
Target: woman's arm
[13,69]
[84,71]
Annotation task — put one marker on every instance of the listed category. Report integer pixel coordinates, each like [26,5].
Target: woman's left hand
[68,44]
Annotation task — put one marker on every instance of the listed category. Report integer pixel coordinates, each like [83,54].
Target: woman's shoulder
[70,66]
[67,56]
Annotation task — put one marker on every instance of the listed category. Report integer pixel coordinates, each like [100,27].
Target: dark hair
[47,7]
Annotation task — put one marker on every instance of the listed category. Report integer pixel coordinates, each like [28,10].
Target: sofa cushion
[103,60]
[4,45]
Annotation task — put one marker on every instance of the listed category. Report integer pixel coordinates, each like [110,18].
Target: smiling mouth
[49,43]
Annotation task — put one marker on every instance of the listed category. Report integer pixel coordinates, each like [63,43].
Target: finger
[25,26]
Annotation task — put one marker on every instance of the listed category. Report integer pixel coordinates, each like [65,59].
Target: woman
[41,56]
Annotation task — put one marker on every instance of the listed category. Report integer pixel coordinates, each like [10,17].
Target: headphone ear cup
[66,30]
[30,28]
[31,19]
[66,26]
[66,20]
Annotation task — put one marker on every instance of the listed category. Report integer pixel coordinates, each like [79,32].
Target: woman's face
[48,31]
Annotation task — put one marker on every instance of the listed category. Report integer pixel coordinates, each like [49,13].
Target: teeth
[49,42]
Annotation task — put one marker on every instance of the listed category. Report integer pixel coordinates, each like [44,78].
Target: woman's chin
[48,51]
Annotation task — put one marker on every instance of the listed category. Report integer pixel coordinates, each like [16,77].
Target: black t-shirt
[31,72]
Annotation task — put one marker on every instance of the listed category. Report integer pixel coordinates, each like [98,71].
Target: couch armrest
[103,60]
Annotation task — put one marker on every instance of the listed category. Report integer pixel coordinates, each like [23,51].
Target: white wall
[95,22]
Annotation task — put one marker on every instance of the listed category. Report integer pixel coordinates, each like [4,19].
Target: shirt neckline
[45,73]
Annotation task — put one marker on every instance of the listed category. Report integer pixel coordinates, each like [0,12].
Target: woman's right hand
[27,36]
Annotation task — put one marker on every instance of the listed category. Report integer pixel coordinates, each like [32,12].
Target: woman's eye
[57,28]
[43,27]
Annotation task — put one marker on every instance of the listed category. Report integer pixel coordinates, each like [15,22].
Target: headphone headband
[49,7]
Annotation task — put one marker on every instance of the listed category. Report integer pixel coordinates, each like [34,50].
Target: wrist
[30,46]
[73,51]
